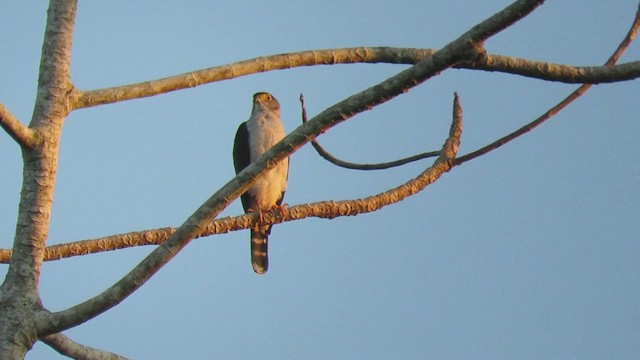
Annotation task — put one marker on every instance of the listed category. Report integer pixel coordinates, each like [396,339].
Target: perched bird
[254,137]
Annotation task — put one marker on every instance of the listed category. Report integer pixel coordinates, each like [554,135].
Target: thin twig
[624,44]
[354,166]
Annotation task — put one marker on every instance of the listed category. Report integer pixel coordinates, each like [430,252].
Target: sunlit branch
[20,133]
[36,194]
[624,44]
[247,67]
[557,72]
[326,209]
[370,55]
[67,347]
[19,293]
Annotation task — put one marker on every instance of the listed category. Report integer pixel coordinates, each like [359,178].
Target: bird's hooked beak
[265,101]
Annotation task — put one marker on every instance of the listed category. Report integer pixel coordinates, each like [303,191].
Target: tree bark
[20,305]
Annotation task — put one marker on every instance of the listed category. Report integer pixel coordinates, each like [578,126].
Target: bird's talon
[280,209]
[259,212]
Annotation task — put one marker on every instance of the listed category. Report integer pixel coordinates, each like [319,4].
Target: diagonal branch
[20,133]
[466,46]
[624,44]
[67,347]
[324,209]
[349,165]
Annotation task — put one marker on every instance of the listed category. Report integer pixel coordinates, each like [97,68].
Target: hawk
[254,137]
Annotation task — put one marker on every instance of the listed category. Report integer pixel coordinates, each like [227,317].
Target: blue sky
[529,252]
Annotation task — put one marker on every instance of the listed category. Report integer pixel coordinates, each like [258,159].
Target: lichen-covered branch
[67,347]
[20,133]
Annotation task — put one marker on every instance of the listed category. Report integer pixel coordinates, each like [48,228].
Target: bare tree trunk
[20,304]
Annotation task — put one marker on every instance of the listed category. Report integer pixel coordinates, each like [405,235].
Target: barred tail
[259,257]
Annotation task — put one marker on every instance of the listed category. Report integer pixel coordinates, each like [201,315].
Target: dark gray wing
[242,159]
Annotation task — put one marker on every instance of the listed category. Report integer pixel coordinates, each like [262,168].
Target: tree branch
[354,166]
[324,209]
[84,99]
[465,47]
[499,63]
[556,72]
[19,296]
[370,55]
[67,347]
[624,44]
[20,133]
[40,163]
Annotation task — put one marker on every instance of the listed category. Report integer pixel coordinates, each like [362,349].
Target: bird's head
[264,101]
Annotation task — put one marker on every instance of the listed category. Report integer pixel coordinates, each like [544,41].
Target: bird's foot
[280,209]
[260,216]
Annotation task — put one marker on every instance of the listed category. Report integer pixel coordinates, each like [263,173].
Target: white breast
[265,130]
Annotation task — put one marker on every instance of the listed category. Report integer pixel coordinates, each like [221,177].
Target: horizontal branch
[67,347]
[247,67]
[557,72]
[20,133]
[323,209]
[410,56]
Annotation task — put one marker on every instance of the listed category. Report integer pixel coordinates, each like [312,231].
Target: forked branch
[624,44]
[20,133]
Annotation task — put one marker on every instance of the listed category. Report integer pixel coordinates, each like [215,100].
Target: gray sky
[529,252]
